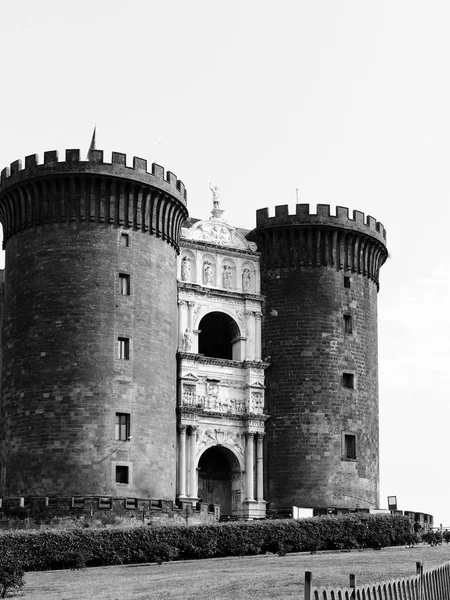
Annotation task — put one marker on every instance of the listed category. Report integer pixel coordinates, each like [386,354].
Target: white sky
[346,100]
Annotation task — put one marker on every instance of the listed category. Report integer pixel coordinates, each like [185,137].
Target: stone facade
[221,383]
[240,372]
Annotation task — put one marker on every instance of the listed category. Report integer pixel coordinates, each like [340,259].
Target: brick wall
[303,333]
[63,381]
[303,330]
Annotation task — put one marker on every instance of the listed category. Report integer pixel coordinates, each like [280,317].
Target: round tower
[89,367]
[319,274]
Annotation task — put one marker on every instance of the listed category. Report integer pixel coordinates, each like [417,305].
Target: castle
[146,354]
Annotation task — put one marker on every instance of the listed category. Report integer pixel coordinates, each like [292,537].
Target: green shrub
[76,548]
[11,576]
[434,538]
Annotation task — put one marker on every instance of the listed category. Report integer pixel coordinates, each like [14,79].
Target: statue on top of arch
[217,212]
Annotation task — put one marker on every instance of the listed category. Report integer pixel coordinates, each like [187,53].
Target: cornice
[222,362]
[213,248]
[218,292]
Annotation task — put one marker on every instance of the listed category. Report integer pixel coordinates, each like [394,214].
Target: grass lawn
[252,577]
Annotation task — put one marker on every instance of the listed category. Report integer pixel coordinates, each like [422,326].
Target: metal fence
[428,585]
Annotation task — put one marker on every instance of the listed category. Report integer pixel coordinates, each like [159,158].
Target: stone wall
[64,379]
[315,355]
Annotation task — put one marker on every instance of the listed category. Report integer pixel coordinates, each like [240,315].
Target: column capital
[260,435]
[182,428]
[250,434]
[190,303]
[258,315]
[181,302]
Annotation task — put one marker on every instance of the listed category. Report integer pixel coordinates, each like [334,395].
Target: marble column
[192,466]
[250,343]
[259,467]
[191,306]
[258,336]
[249,460]
[182,462]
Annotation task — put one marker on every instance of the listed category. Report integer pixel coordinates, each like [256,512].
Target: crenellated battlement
[368,225]
[91,191]
[96,165]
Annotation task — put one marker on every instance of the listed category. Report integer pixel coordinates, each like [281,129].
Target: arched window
[219,337]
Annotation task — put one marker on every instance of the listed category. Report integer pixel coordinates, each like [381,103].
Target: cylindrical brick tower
[89,364]
[319,274]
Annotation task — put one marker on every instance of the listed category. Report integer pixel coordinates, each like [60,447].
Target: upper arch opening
[219,336]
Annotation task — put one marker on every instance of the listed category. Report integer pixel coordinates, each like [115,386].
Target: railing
[431,585]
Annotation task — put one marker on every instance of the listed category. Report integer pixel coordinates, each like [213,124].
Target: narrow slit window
[122,426]
[123,348]
[348,324]
[125,239]
[122,474]
[348,380]
[347,281]
[124,284]
[350,446]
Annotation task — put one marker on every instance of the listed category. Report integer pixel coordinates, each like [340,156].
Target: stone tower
[89,369]
[319,274]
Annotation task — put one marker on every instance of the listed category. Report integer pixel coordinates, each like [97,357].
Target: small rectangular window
[348,324]
[123,348]
[124,284]
[122,474]
[124,239]
[347,281]
[122,427]
[350,446]
[348,380]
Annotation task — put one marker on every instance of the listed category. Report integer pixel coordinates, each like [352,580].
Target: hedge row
[40,550]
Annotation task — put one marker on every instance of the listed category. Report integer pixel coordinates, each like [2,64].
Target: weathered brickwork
[304,261]
[63,379]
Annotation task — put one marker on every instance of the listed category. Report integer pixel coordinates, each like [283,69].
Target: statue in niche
[187,340]
[207,273]
[188,394]
[185,269]
[227,277]
[212,389]
[246,280]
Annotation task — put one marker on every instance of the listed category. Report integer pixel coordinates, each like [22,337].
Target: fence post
[352,587]
[308,584]
[419,571]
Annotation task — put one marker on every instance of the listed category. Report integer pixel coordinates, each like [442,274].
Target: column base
[188,499]
[254,509]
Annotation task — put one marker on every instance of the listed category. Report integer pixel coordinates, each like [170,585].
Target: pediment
[189,377]
[216,232]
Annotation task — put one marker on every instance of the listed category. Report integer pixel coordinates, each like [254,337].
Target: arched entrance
[219,479]
[219,336]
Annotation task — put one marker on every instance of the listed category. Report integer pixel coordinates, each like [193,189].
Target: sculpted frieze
[219,437]
[217,232]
